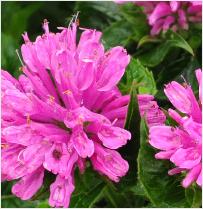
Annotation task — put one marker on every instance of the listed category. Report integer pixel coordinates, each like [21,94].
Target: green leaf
[9,59]
[134,15]
[138,189]
[194,196]
[162,190]
[19,19]
[88,189]
[43,204]
[96,15]
[130,151]
[147,39]
[127,29]
[132,108]
[157,53]
[143,78]
[11,201]
[118,33]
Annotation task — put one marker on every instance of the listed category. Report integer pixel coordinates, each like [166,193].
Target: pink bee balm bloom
[64,109]
[182,145]
[164,15]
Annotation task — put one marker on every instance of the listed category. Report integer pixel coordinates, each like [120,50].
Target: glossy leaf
[143,78]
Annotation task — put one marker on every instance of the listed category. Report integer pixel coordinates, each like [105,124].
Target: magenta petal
[85,81]
[192,176]
[175,171]
[178,96]
[164,137]
[161,10]
[157,27]
[113,137]
[199,78]
[22,134]
[91,51]
[83,145]
[164,155]
[194,129]
[60,192]
[199,179]
[109,162]
[29,184]
[174,5]
[182,20]
[56,159]
[186,158]
[115,62]
[33,155]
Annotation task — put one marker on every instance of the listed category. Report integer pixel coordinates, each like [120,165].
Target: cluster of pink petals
[182,145]
[171,14]
[164,15]
[64,109]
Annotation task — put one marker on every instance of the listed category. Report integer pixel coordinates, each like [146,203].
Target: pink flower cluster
[182,144]
[64,109]
[164,15]
[171,14]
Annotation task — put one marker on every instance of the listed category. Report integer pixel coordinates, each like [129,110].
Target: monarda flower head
[164,15]
[172,14]
[182,144]
[64,109]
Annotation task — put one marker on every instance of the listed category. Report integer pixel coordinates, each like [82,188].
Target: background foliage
[155,62]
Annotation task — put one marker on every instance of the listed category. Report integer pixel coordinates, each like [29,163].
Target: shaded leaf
[147,39]
[194,196]
[157,54]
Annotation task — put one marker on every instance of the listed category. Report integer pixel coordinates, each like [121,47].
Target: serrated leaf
[143,78]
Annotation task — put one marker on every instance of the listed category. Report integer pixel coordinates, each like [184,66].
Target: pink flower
[171,14]
[29,184]
[64,109]
[109,162]
[182,145]
[150,110]
[60,191]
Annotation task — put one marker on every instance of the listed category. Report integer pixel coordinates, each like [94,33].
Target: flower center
[57,154]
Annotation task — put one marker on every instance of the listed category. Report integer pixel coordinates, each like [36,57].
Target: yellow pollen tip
[51,98]
[4,146]
[77,22]
[28,119]
[68,74]
[68,92]
[108,157]
[20,68]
